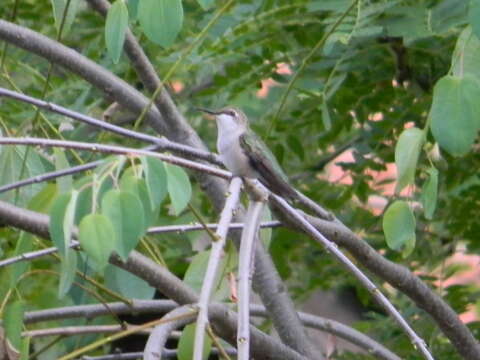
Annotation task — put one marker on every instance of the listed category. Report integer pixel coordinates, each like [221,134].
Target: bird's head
[229,117]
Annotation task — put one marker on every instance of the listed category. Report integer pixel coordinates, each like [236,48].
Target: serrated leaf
[429,193]
[156,180]
[58,14]
[179,187]
[127,284]
[13,322]
[399,225]
[98,239]
[161,20]
[407,151]
[185,344]
[455,113]
[116,26]
[64,183]
[205,4]
[125,212]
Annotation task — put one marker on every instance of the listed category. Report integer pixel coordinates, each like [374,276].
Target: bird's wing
[264,162]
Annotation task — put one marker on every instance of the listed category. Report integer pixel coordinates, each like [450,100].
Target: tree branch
[211,275]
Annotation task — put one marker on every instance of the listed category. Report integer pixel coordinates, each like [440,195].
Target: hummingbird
[245,154]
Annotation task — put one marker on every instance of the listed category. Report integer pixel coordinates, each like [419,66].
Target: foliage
[388,65]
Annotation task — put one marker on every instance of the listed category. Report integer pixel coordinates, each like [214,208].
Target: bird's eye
[231,113]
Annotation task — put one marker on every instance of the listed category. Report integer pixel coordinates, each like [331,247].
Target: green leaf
[326,119]
[466,54]
[296,146]
[399,225]
[64,183]
[133,8]
[179,187]
[58,14]
[128,284]
[137,187]
[24,244]
[474,16]
[196,270]
[42,202]
[205,4]
[407,151]
[13,322]
[116,26]
[185,344]
[57,217]
[429,193]
[13,168]
[156,179]
[455,113]
[125,212]
[68,267]
[161,20]
[97,237]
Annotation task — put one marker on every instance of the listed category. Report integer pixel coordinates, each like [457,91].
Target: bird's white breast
[228,147]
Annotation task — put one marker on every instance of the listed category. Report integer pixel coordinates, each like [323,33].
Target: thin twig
[153,230]
[245,271]
[113,149]
[176,318]
[161,143]
[211,275]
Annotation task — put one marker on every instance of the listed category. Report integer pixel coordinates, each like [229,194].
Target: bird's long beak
[211,112]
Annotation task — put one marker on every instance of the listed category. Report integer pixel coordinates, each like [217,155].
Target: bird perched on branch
[245,154]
